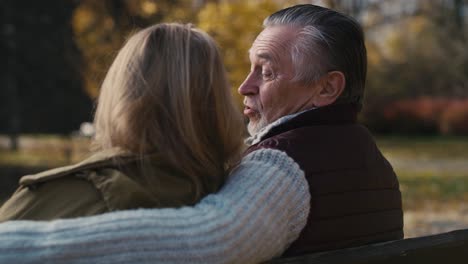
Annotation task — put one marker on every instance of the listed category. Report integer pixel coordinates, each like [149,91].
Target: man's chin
[256,126]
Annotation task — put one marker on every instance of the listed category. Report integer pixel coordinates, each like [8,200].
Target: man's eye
[267,75]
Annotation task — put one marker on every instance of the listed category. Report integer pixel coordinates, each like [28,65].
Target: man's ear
[332,87]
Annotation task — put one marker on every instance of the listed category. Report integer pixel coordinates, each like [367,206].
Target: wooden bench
[445,248]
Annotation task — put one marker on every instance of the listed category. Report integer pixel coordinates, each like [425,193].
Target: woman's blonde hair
[167,92]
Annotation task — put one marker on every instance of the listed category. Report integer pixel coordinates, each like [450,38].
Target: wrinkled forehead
[273,44]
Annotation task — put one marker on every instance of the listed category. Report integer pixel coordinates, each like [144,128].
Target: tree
[419,56]
[40,70]
[234,25]
[101,28]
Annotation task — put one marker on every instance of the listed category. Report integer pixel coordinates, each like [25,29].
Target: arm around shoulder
[261,210]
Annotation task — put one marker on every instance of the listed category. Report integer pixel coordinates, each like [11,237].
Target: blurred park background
[55,53]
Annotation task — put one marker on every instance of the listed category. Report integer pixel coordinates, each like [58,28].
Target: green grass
[434,190]
[36,159]
[424,147]
[429,184]
[45,151]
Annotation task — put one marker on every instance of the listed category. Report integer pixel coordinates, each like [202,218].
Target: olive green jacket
[107,181]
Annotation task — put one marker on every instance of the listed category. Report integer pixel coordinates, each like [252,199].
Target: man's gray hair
[325,41]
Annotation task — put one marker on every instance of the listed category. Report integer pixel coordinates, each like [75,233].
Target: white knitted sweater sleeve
[257,214]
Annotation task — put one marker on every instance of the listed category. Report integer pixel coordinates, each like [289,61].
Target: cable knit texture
[257,214]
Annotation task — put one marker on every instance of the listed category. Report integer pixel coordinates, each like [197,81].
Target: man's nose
[249,86]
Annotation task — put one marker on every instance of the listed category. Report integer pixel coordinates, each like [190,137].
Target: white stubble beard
[255,127]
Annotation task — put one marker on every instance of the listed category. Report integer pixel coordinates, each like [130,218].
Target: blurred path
[429,221]
[417,164]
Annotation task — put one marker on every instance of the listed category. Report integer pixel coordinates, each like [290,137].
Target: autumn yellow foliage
[234,25]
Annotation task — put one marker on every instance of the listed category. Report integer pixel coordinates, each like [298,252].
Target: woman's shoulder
[119,191]
[113,174]
[47,196]
[95,161]
[62,192]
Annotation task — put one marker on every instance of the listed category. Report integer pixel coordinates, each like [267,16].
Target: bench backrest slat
[446,248]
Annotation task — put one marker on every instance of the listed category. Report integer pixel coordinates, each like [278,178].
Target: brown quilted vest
[355,196]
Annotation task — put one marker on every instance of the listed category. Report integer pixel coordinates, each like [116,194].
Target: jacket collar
[338,114]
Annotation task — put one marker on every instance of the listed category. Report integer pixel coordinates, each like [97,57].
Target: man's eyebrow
[264,55]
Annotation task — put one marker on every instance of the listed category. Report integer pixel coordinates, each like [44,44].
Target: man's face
[269,89]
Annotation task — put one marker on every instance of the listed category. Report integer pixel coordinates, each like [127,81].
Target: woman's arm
[261,209]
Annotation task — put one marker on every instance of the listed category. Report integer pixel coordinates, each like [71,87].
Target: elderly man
[302,97]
